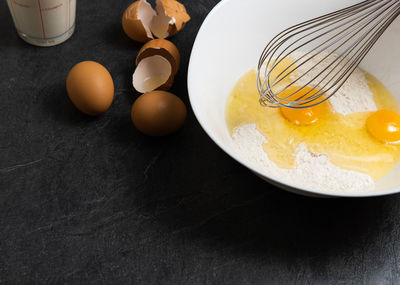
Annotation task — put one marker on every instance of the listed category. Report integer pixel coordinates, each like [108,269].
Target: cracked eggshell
[163,48]
[153,73]
[137,19]
[171,18]
[157,63]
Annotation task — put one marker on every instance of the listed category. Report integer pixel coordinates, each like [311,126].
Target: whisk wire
[337,64]
[352,9]
[327,42]
[361,51]
[280,76]
[337,42]
[313,32]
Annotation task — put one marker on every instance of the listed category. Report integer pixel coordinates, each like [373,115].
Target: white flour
[353,96]
[314,170]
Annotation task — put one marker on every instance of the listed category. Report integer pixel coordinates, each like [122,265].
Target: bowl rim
[270,178]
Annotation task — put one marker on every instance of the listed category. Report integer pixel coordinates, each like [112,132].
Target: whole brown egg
[158,113]
[90,87]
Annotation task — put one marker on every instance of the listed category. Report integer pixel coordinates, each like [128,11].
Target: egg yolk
[304,116]
[384,125]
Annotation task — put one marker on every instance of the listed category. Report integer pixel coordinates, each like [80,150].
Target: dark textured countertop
[91,200]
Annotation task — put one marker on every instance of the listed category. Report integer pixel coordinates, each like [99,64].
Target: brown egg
[90,87]
[158,113]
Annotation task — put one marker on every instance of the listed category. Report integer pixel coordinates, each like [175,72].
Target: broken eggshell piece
[153,73]
[171,18]
[157,63]
[137,19]
[161,47]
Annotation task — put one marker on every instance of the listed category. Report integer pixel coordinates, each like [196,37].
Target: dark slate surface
[91,200]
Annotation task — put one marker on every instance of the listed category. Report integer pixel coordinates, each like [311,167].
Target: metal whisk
[323,53]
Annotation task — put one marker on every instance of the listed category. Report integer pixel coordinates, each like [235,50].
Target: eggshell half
[171,18]
[153,73]
[163,48]
[137,19]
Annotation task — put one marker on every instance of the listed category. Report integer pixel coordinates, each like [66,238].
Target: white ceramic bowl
[230,42]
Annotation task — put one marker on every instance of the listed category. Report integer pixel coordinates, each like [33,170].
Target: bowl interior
[230,42]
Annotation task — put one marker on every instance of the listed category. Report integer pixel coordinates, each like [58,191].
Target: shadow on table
[60,108]
[240,212]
